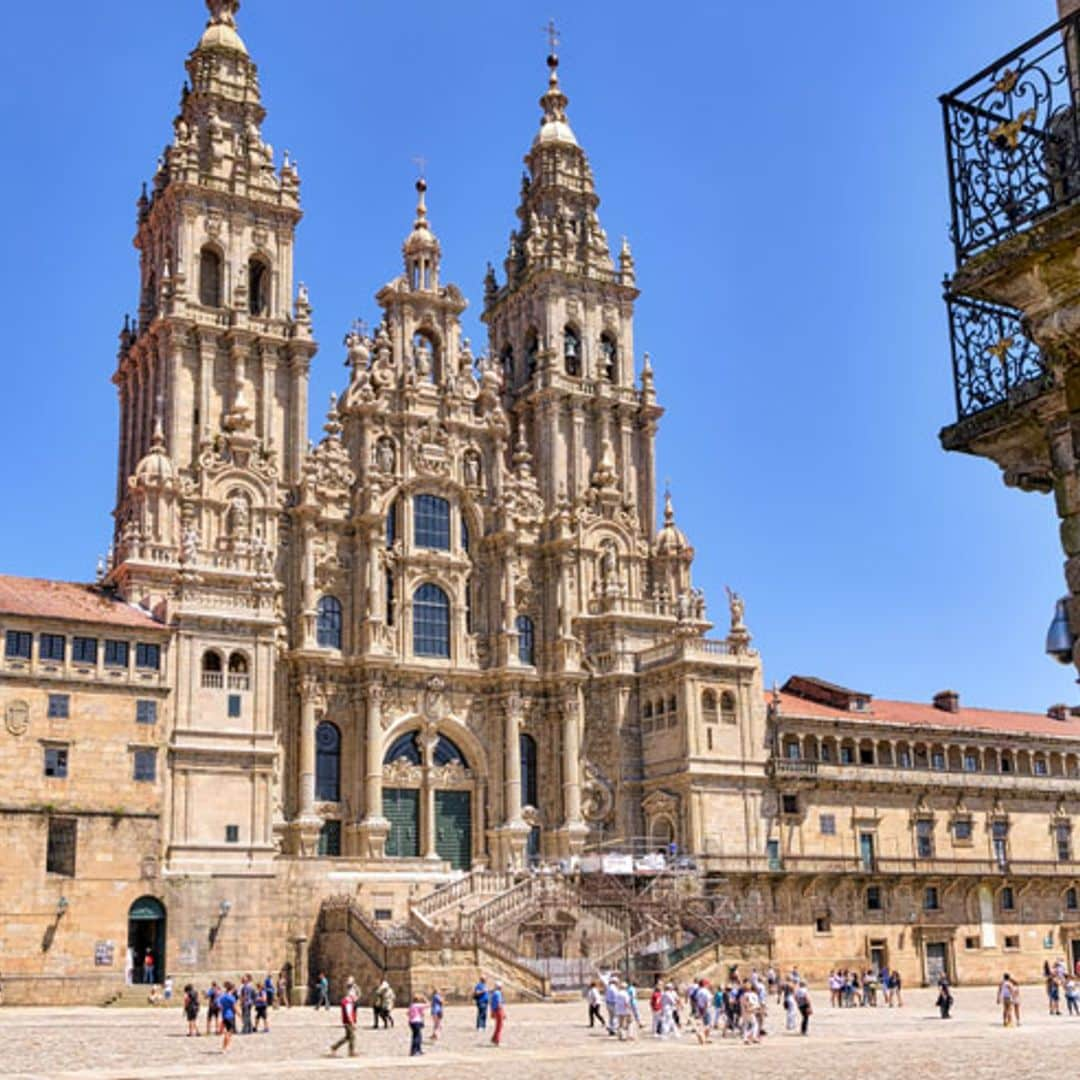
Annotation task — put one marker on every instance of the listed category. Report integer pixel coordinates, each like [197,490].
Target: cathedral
[330,697]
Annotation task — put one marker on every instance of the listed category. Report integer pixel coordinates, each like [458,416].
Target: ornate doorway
[146,931]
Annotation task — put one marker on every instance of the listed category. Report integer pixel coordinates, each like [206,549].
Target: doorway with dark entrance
[146,933]
[937,962]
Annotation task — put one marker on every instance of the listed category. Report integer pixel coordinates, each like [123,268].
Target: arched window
[447,752]
[1072,901]
[532,348]
[327,762]
[238,664]
[727,707]
[571,351]
[258,287]
[609,357]
[708,707]
[211,661]
[403,748]
[526,650]
[328,627]
[431,526]
[529,792]
[431,622]
[209,278]
[389,597]
[507,359]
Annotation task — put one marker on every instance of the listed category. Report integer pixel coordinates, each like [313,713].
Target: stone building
[449,640]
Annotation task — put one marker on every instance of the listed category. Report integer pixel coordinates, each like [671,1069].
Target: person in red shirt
[348,1022]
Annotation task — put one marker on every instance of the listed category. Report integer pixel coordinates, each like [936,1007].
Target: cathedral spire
[554,126]
[421,248]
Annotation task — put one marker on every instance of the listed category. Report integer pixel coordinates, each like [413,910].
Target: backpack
[656,1001]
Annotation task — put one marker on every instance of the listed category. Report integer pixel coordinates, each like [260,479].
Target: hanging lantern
[1059,638]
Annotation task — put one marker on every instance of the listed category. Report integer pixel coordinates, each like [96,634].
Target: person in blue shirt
[227,1003]
[480,997]
[498,1013]
[436,1014]
[268,986]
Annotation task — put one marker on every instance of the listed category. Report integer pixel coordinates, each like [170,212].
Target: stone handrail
[476,881]
[685,649]
[630,947]
[518,971]
[499,907]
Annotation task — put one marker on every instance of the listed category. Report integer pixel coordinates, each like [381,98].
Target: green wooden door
[401,807]
[453,827]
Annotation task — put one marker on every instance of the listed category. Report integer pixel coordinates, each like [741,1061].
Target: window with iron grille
[145,765]
[61,845]
[51,647]
[146,712]
[59,706]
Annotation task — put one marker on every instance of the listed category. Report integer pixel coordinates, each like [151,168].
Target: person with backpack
[480,1000]
[191,1009]
[213,1008]
[227,1002]
[804,1005]
[348,1022]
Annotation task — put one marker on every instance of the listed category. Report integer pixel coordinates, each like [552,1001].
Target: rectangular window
[1063,840]
[772,853]
[790,804]
[51,647]
[145,712]
[847,755]
[60,847]
[17,644]
[116,654]
[930,898]
[873,897]
[823,924]
[937,760]
[431,524]
[59,706]
[924,839]
[56,762]
[828,824]
[148,656]
[962,830]
[234,706]
[971,942]
[1012,941]
[383,914]
[866,755]
[84,650]
[146,765]
[232,834]
[1008,900]
[330,838]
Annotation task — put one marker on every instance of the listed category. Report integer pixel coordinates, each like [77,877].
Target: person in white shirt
[623,1013]
[668,1003]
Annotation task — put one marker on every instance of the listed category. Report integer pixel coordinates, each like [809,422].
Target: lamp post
[223,909]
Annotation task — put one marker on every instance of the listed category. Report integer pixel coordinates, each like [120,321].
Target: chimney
[949,700]
[1058,712]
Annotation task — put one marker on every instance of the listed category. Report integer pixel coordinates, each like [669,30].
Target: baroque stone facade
[450,636]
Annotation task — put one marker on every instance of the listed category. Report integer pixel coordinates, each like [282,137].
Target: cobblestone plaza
[544,1041]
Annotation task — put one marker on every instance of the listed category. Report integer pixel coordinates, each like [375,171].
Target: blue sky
[779,170]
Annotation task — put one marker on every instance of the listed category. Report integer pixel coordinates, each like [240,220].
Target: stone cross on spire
[223,11]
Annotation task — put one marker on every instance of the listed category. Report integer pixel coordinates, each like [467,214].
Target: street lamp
[223,909]
[61,906]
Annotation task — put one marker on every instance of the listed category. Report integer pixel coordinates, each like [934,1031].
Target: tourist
[436,1014]
[1072,996]
[669,1001]
[804,1005]
[498,1013]
[1005,1000]
[656,1007]
[480,1000]
[322,992]
[261,1004]
[719,1010]
[227,1003]
[623,1016]
[896,986]
[610,995]
[631,993]
[1014,989]
[835,985]
[944,998]
[247,1003]
[167,989]
[791,1009]
[191,1009]
[213,1008]
[775,989]
[416,1024]
[268,986]
[148,967]
[282,997]
[348,1022]
[1053,994]
[748,1007]
[386,1003]
[592,996]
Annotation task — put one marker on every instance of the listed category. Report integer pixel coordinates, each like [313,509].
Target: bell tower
[212,377]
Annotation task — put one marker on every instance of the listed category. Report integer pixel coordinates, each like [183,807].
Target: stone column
[374,828]
[308,699]
[571,762]
[512,768]
[428,741]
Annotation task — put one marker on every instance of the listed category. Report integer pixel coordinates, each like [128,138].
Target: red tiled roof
[43,599]
[915,714]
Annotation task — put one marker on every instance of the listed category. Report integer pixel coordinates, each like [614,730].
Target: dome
[555,131]
[222,36]
[156,469]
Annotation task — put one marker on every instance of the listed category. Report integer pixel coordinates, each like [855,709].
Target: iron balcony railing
[1012,139]
[993,359]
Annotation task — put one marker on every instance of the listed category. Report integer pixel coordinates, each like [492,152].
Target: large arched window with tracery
[328,626]
[327,762]
[431,622]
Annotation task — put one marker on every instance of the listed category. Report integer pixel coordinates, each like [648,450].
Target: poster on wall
[104,952]
[189,953]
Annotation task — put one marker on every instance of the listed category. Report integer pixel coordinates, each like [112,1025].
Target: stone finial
[223,12]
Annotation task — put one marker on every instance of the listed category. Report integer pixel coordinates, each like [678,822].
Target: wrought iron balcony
[993,359]
[1012,137]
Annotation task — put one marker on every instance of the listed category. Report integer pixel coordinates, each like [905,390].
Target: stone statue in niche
[472,470]
[384,455]
[238,517]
